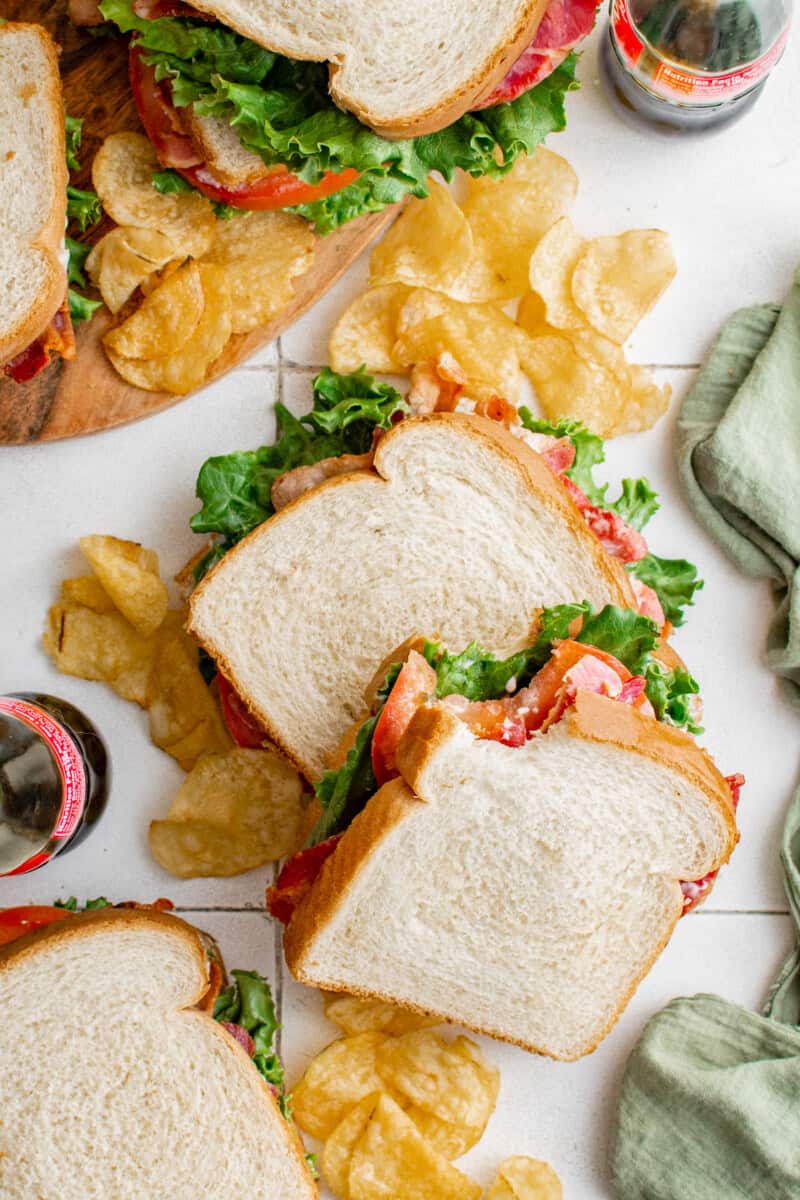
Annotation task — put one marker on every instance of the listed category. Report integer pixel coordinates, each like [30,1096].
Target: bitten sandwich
[127,1073]
[508,844]
[368,522]
[339,112]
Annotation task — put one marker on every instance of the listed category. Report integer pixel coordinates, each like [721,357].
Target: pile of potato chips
[202,278]
[441,277]
[237,809]
[395,1103]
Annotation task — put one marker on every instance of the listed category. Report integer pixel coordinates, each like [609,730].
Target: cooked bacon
[619,538]
[151,10]
[648,603]
[735,783]
[85,12]
[241,1036]
[564,24]
[296,878]
[498,409]
[436,385]
[58,338]
[216,978]
[558,453]
[294,483]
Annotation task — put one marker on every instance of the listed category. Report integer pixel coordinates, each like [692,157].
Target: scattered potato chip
[102,646]
[233,812]
[481,338]
[568,386]
[122,174]
[123,259]
[428,245]
[393,1161]
[617,280]
[165,320]
[186,370]
[88,591]
[523,1178]
[509,217]
[184,720]
[138,592]
[260,254]
[339,1077]
[644,401]
[367,329]
[338,1149]
[355,1014]
[550,273]
[448,1139]
[451,1080]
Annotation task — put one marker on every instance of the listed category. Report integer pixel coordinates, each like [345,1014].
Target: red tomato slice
[16,922]
[413,686]
[279,188]
[242,725]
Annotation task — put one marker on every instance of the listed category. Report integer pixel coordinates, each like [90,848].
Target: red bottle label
[674,82]
[70,767]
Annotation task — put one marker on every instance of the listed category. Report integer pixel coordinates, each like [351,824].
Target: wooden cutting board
[82,396]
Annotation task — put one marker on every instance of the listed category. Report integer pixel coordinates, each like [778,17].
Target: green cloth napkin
[710,1102]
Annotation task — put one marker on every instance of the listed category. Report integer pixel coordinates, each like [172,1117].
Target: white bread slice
[228,160]
[115,1087]
[460,530]
[33,183]
[404,68]
[522,892]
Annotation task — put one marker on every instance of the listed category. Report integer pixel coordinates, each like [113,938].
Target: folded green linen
[710,1102]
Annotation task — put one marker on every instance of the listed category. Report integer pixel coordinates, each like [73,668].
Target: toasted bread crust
[594,718]
[425,120]
[50,238]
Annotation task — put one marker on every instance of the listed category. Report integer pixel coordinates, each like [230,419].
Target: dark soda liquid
[44,811]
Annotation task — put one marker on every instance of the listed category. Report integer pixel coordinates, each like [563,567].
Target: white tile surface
[730,202]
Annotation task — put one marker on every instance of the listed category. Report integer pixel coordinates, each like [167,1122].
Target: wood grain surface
[85,395]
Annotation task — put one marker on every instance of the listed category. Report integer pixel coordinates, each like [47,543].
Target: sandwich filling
[613,653]
[252,129]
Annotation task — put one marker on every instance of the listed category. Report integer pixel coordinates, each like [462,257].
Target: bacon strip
[296,878]
[294,483]
[58,338]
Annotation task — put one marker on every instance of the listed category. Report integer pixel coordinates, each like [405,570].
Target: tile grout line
[290,364]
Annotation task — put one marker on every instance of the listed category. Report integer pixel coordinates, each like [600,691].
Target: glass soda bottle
[687,65]
[54,778]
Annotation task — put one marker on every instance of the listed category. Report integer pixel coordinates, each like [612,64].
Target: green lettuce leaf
[622,632]
[670,694]
[638,502]
[248,1002]
[74,134]
[71,904]
[83,207]
[80,307]
[344,792]
[282,110]
[234,489]
[674,580]
[589,452]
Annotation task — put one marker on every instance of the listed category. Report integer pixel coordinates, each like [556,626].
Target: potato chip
[338,1149]
[366,331]
[481,338]
[550,274]
[122,174]
[428,245]
[165,320]
[617,280]
[123,259]
[509,217]
[184,719]
[261,253]
[644,402]
[568,386]
[339,1077]
[393,1160]
[102,646]
[138,593]
[451,1080]
[233,812]
[86,590]
[355,1014]
[186,370]
[447,1139]
[523,1178]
